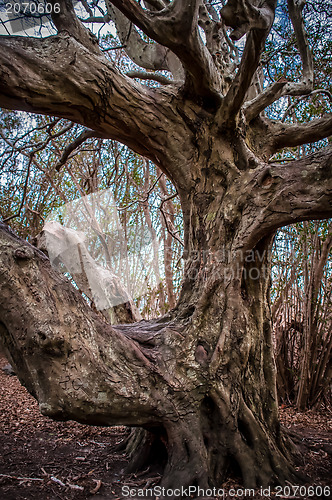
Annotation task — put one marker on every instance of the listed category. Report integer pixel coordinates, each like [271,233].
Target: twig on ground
[68,485]
[22,478]
[97,487]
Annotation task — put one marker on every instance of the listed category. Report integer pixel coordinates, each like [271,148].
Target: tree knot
[201,355]
[265,180]
[23,253]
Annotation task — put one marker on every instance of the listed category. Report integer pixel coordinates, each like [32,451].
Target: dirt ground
[45,460]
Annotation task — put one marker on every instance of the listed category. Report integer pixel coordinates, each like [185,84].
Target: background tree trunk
[302,315]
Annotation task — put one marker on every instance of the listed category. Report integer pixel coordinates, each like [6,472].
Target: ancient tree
[201,380]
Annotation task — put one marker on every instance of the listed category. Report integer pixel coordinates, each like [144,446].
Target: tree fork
[154,374]
[203,378]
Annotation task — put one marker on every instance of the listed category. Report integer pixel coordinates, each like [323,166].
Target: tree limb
[176,27]
[285,194]
[66,20]
[86,134]
[218,43]
[234,16]
[59,76]
[272,93]
[151,56]
[156,4]
[254,107]
[304,87]
[78,366]
[285,135]
[145,75]
[295,103]
[295,8]
[244,17]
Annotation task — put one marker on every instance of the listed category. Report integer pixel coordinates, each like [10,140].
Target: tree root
[144,448]
[200,448]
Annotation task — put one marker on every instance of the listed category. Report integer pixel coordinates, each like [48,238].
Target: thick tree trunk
[202,380]
[225,307]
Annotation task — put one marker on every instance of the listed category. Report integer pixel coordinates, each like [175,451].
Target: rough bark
[146,55]
[202,379]
[176,27]
[181,376]
[44,75]
[207,391]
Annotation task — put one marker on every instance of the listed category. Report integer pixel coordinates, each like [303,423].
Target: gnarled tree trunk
[201,379]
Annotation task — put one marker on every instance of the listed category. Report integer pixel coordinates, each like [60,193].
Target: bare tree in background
[302,314]
[201,379]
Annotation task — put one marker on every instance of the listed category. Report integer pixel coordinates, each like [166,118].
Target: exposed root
[144,448]
[259,452]
[187,455]
[201,447]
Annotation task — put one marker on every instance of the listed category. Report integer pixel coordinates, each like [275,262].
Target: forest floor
[45,460]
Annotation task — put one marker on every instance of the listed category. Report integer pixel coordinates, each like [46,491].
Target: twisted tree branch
[151,56]
[244,16]
[279,89]
[66,20]
[285,135]
[285,194]
[295,8]
[176,27]
[85,135]
[102,376]
[254,107]
[85,88]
